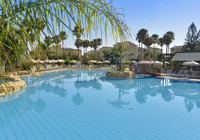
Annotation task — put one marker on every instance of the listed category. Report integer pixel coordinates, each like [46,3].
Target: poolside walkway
[166,75]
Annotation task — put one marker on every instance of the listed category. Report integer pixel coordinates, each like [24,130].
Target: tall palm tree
[78,44]
[120,49]
[56,39]
[63,36]
[141,35]
[78,31]
[97,43]
[86,43]
[168,38]
[48,42]
[155,40]
[161,43]
[148,41]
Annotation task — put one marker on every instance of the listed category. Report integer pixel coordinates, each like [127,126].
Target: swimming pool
[83,104]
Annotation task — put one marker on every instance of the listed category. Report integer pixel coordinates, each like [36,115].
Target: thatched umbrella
[106,61]
[54,61]
[39,61]
[191,63]
[144,62]
[73,62]
[47,61]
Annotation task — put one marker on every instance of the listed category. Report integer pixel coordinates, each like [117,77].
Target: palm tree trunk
[120,61]
[153,51]
[141,53]
[56,51]
[78,53]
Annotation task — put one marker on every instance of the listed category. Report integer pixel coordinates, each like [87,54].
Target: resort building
[92,52]
[131,50]
[71,51]
[53,49]
[153,53]
[177,49]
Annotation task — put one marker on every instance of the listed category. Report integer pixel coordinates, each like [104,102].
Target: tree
[168,38]
[97,43]
[56,39]
[48,42]
[78,44]
[141,35]
[78,31]
[86,43]
[117,52]
[33,27]
[9,45]
[161,43]
[155,41]
[148,41]
[192,38]
[63,36]
[106,54]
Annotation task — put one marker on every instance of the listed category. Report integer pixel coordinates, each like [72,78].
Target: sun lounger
[179,74]
[186,73]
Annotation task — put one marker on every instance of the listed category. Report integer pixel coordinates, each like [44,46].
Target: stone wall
[120,74]
[14,85]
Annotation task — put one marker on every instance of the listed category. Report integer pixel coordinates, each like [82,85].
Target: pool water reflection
[84,104]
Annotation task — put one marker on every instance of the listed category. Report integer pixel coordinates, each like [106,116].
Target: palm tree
[155,40]
[168,38]
[78,44]
[78,31]
[161,43]
[86,43]
[148,42]
[118,50]
[97,43]
[63,36]
[48,42]
[56,39]
[106,54]
[141,35]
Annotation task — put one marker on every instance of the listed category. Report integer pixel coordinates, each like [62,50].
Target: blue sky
[158,16]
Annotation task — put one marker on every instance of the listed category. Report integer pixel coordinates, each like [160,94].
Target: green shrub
[67,62]
[26,65]
[85,62]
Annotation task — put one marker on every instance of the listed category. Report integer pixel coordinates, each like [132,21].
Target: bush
[52,56]
[26,65]
[85,62]
[67,62]
[123,66]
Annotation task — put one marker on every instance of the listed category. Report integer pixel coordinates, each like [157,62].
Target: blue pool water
[83,104]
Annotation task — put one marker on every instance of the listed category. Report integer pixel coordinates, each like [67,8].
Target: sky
[157,16]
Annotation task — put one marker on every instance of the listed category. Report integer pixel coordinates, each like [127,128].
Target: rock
[13,86]
[120,74]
